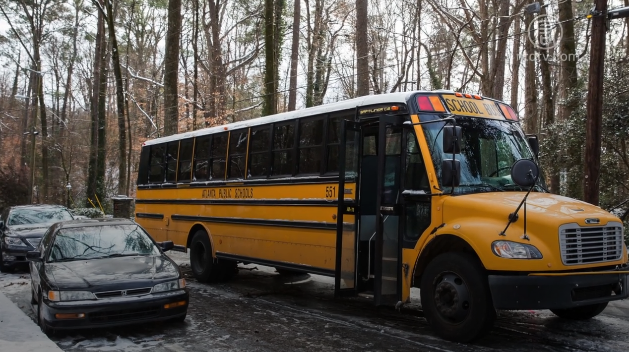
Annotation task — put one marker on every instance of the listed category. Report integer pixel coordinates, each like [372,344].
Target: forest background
[84,82]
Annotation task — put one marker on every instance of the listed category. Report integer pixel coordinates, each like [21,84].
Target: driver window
[415,176]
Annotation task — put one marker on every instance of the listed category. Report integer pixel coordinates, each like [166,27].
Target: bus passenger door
[347,213]
[388,246]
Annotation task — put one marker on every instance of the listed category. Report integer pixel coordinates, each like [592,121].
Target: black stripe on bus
[287,202]
[255,181]
[261,222]
[282,265]
[149,215]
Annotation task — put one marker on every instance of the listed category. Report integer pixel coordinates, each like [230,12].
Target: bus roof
[400,97]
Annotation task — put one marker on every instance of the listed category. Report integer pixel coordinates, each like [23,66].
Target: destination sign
[472,107]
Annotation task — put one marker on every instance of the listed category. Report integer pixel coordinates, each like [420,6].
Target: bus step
[389,259]
[367,294]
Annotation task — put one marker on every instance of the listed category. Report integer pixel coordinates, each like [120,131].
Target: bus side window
[171,161]
[218,153]
[283,141]
[415,176]
[259,145]
[237,153]
[185,160]
[310,144]
[156,162]
[201,156]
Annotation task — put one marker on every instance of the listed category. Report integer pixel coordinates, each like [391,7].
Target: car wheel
[33,296]
[455,297]
[4,268]
[201,261]
[580,313]
[180,319]
[41,321]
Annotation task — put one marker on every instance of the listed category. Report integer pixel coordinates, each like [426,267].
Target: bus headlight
[515,250]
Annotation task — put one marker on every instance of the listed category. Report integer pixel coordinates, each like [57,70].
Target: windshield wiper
[115,255]
[483,185]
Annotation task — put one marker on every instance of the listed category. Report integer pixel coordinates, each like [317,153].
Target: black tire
[180,319]
[455,297]
[33,296]
[580,313]
[40,318]
[4,268]
[202,263]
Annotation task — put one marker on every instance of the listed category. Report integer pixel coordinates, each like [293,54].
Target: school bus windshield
[488,149]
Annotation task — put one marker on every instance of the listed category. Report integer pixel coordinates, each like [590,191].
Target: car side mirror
[166,245]
[450,173]
[452,136]
[34,256]
[533,143]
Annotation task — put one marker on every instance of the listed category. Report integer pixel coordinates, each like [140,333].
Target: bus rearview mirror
[452,139]
[450,173]
[533,143]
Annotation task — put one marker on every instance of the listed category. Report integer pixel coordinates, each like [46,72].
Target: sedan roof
[96,222]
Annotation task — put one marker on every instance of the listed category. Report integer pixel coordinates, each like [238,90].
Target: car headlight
[14,241]
[57,296]
[169,286]
[515,250]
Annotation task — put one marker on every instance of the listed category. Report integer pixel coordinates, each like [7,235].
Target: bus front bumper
[556,291]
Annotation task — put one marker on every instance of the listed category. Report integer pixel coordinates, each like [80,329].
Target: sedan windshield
[488,150]
[30,216]
[93,242]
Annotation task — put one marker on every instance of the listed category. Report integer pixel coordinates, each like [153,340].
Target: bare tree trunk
[99,57]
[171,66]
[362,49]
[195,50]
[568,81]
[497,76]
[591,183]
[548,109]
[120,102]
[530,88]
[515,67]
[270,105]
[294,57]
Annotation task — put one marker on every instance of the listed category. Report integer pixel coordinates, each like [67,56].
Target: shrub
[92,213]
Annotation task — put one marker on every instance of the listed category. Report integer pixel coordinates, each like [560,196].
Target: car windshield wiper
[114,255]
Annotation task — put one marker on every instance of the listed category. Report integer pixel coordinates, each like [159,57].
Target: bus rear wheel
[455,297]
[581,313]
[201,260]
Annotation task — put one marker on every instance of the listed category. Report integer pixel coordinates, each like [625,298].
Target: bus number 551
[330,191]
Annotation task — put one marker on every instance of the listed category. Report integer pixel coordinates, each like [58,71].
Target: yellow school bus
[431,189]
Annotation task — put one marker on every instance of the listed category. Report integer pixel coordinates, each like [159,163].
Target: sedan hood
[33,230]
[111,273]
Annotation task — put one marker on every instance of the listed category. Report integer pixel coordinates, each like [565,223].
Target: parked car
[104,272]
[21,229]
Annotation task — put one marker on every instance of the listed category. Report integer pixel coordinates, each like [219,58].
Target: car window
[28,216]
[92,242]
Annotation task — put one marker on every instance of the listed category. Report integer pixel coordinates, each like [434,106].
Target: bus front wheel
[580,313]
[201,260]
[455,297]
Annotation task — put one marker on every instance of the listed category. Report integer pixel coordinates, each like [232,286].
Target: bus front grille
[586,245]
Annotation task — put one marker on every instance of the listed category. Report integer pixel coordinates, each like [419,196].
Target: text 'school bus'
[436,190]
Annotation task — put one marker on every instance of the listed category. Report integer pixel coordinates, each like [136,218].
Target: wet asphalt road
[260,310]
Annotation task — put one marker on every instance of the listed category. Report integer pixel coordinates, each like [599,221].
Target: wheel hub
[452,297]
